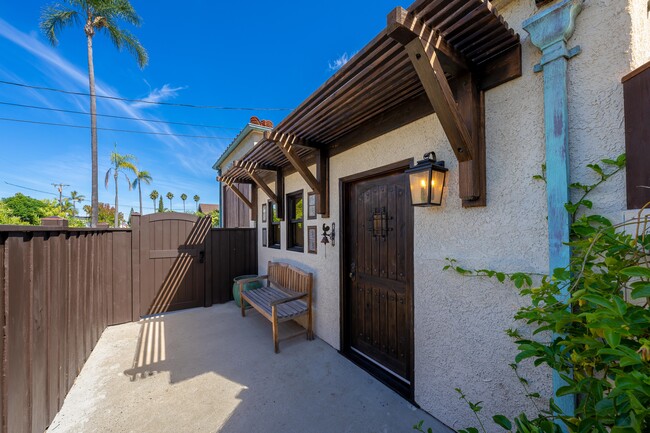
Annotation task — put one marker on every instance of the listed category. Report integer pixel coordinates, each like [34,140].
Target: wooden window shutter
[636,88]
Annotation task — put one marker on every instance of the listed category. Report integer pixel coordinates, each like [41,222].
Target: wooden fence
[59,290]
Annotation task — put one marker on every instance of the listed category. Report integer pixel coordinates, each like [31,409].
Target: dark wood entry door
[172,262]
[378,294]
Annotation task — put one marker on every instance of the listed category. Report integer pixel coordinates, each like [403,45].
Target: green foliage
[598,337]
[95,16]
[161,207]
[106,214]
[7,217]
[24,210]
[214,215]
[29,210]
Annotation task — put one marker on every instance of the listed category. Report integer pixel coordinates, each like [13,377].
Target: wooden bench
[286,296]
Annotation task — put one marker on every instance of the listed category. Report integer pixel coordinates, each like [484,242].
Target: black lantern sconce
[427,180]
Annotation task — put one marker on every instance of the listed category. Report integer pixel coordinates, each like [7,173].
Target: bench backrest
[285,276]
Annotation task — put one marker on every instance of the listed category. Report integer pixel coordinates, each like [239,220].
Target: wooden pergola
[436,56]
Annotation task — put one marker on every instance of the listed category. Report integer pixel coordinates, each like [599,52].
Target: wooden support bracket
[319,183]
[263,186]
[461,115]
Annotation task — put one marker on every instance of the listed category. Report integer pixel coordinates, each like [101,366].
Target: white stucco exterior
[460,321]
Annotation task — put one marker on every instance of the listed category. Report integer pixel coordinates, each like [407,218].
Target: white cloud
[340,62]
[165,93]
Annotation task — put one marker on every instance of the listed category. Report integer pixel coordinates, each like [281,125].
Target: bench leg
[275,329]
[310,332]
[243,306]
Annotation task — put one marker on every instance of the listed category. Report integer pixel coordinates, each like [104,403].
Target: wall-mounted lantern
[427,180]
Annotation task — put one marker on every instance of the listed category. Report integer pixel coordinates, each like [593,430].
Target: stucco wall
[460,321]
[244,146]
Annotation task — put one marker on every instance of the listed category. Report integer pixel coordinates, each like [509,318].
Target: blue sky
[269,54]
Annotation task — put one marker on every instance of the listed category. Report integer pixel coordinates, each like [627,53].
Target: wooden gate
[170,274]
[377,284]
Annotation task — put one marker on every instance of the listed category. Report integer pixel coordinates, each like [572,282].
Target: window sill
[275,247]
[296,249]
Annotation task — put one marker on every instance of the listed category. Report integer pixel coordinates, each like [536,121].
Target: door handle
[353,271]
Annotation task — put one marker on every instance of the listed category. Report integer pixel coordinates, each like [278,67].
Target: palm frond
[128,181]
[126,164]
[124,39]
[54,18]
[145,177]
[108,176]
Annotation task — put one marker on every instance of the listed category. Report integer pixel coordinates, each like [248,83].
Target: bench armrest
[288,299]
[249,280]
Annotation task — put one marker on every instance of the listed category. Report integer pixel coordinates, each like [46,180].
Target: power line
[116,117]
[144,101]
[129,131]
[84,200]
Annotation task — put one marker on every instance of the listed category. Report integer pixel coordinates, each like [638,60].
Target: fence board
[18,336]
[40,283]
[3,285]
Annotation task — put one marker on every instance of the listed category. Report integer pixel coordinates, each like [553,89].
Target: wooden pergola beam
[247,165]
[404,27]
[424,47]
[292,140]
[263,186]
[228,182]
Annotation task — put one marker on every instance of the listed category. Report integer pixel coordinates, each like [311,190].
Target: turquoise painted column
[549,31]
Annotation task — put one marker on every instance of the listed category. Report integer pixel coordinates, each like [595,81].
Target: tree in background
[142,176]
[95,15]
[106,214]
[7,217]
[183,197]
[75,197]
[29,210]
[121,164]
[196,199]
[170,196]
[25,210]
[214,215]
[161,207]
[154,196]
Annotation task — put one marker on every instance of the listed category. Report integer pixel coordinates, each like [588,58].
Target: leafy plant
[598,336]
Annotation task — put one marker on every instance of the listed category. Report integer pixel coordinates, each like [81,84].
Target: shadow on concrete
[307,387]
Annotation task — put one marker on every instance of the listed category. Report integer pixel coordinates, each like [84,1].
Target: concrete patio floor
[209,370]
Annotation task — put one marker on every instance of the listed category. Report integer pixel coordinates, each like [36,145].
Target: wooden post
[135,260]
[549,31]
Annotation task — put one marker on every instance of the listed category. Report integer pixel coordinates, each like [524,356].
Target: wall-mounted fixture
[327,236]
[427,180]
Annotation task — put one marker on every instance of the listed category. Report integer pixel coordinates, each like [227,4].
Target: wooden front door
[378,277]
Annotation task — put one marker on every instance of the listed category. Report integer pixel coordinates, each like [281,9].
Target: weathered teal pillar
[549,31]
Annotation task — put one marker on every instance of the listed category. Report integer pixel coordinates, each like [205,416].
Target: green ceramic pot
[247,286]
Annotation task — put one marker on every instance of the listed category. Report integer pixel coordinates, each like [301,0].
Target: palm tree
[196,199]
[141,176]
[75,197]
[154,196]
[183,197]
[170,196]
[121,164]
[94,15]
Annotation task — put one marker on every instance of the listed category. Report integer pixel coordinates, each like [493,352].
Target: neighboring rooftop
[208,208]
[255,124]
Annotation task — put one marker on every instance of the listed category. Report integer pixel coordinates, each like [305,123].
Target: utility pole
[59,187]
